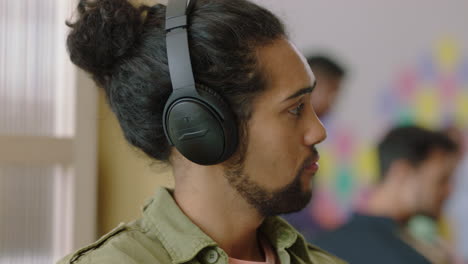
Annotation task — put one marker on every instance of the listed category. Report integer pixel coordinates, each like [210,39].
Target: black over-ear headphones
[198,122]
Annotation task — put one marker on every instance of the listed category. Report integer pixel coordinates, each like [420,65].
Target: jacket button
[211,256]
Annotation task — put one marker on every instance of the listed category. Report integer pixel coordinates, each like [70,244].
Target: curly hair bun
[103,34]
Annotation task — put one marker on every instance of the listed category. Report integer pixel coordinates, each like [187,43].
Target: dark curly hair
[123,48]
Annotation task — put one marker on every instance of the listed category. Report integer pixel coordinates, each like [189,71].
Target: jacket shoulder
[318,255]
[124,244]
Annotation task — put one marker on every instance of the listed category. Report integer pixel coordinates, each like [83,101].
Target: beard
[290,198]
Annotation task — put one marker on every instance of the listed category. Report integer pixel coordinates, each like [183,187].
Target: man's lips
[311,165]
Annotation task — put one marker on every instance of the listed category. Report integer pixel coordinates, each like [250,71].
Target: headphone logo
[187,119]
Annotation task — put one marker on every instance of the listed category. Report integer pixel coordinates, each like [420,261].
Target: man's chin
[297,205]
[303,204]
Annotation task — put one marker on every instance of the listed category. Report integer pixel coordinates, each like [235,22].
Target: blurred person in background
[223,207]
[329,75]
[423,232]
[416,167]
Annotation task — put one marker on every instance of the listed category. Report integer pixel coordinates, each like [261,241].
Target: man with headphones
[215,89]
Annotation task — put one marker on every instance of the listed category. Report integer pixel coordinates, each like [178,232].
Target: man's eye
[297,110]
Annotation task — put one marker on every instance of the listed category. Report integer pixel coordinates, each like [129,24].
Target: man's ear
[402,180]
[399,173]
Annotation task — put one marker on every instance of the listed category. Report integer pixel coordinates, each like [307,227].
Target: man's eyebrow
[301,92]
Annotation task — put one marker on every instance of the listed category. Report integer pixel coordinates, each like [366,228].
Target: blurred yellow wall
[126,177]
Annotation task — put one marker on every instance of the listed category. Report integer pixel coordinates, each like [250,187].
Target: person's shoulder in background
[318,255]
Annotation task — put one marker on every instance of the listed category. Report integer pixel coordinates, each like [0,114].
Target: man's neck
[220,212]
[382,203]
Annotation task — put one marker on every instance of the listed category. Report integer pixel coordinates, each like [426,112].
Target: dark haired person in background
[221,213]
[416,166]
[329,75]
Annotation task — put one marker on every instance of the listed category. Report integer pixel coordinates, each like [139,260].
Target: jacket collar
[183,240]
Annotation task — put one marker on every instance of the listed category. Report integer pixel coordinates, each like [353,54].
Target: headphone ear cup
[202,128]
[196,121]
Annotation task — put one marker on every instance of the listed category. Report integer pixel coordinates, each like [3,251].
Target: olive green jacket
[166,235]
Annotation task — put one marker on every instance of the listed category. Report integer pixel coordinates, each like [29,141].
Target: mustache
[313,157]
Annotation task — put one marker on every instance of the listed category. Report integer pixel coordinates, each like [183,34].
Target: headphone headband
[178,54]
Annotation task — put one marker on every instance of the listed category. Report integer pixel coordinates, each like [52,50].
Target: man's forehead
[285,68]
